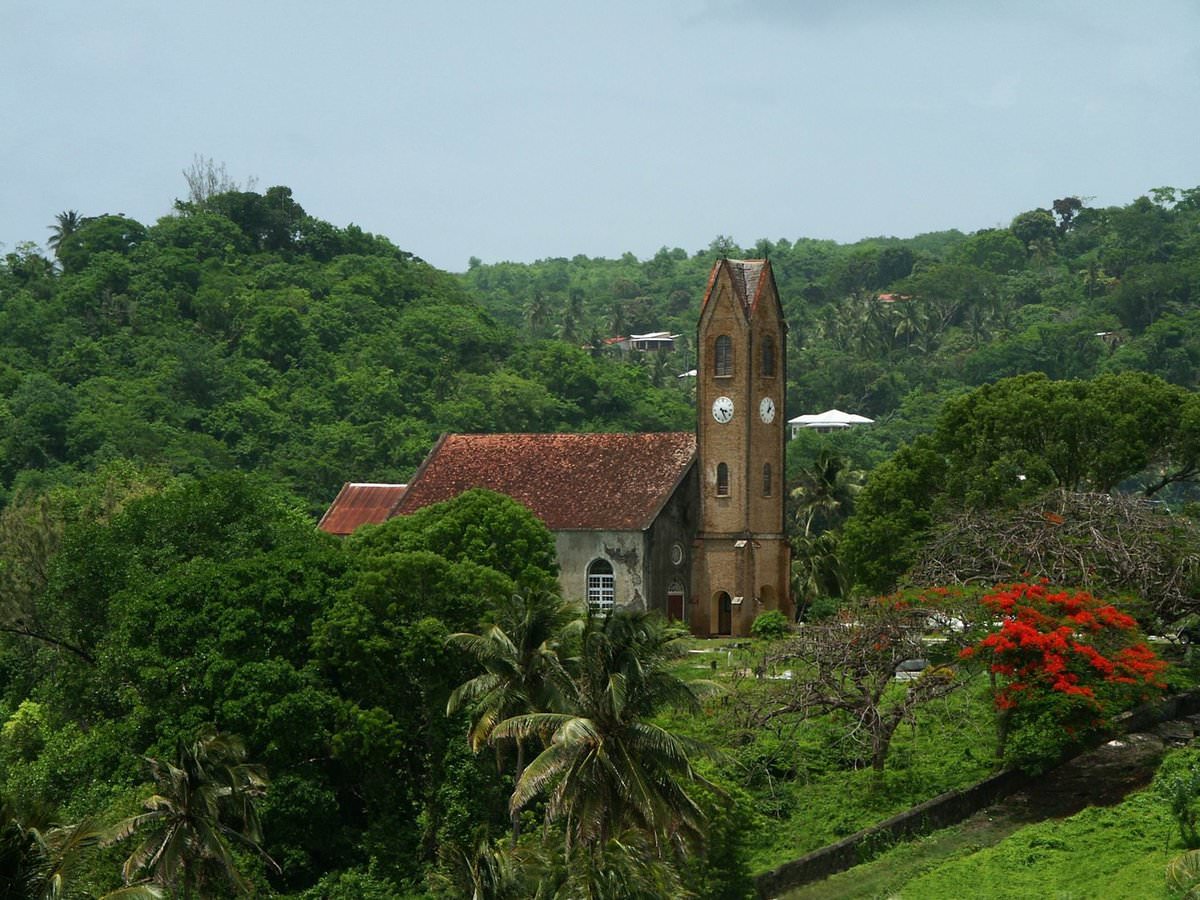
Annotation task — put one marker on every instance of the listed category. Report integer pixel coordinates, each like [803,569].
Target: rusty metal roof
[746,277]
[359,503]
[609,482]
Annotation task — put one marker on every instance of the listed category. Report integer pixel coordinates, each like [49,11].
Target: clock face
[722,409]
[766,410]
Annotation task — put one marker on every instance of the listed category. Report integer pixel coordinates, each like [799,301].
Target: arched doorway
[675,598]
[724,605]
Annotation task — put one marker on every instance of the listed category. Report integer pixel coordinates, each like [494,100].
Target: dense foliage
[178,399]
[240,332]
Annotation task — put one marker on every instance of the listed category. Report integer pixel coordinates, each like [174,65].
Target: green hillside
[179,401]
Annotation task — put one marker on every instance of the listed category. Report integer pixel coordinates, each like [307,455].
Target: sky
[526,130]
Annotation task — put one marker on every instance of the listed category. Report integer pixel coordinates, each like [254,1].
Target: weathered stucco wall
[675,526]
[624,549]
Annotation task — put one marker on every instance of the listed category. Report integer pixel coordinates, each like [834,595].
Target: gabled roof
[360,503]
[607,482]
[746,277]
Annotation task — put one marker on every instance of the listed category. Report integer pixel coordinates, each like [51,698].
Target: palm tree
[537,313]
[37,862]
[519,655]
[66,224]
[607,769]
[824,493]
[189,817]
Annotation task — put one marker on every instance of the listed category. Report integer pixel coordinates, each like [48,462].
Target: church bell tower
[742,559]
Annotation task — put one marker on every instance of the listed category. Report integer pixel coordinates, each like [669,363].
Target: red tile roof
[610,482]
[361,504]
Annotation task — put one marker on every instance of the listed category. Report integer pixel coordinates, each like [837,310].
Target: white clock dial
[766,410]
[722,409]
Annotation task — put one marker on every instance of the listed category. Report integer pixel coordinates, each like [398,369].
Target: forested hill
[888,327]
[240,332]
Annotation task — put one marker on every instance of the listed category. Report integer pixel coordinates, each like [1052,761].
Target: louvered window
[723,356]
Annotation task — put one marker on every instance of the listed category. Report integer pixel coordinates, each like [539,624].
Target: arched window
[723,356]
[767,486]
[768,358]
[722,480]
[600,587]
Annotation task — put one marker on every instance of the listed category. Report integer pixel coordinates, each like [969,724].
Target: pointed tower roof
[746,277]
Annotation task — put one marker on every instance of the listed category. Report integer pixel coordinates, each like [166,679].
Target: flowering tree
[1061,662]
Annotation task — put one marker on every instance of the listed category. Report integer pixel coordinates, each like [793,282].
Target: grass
[1112,852]
[808,781]
[808,788]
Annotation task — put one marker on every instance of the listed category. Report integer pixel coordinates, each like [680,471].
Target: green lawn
[1112,853]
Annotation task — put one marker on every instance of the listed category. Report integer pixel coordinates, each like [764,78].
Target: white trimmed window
[600,587]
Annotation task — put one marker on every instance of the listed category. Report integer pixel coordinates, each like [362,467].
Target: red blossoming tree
[1061,663]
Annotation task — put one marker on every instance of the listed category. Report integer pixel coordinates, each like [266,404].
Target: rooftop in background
[572,482]
[830,420]
[361,503]
[654,340]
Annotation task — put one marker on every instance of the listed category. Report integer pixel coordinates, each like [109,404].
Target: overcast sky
[523,130]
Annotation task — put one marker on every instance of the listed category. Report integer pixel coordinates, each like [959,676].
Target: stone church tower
[742,559]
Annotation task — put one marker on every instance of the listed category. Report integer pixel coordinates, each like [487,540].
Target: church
[690,524]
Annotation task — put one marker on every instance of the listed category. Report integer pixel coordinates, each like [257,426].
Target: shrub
[1178,782]
[770,625]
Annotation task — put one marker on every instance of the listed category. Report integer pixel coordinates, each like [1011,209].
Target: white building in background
[830,420]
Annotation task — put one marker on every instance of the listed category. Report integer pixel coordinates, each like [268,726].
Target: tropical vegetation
[188,665]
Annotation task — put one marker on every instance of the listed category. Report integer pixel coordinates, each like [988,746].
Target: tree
[66,224]
[605,768]
[39,862]
[519,655]
[1104,543]
[204,803]
[1066,208]
[479,526]
[1062,662]
[824,493]
[1034,226]
[848,666]
[206,179]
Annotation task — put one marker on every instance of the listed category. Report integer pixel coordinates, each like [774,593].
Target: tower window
[767,486]
[600,587]
[723,356]
[768,357]
[722,480]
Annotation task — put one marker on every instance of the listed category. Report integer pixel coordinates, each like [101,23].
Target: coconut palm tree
[519,656]
[606,768]
[202,803]
[824,493]
[65,225]
[38,862]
